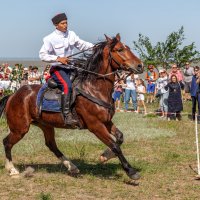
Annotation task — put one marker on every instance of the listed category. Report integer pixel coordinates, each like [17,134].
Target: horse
[94,110]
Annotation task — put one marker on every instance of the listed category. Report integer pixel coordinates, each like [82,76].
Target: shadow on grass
[108,170]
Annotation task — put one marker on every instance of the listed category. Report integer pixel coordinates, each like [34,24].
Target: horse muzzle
[136,69]
[140,68]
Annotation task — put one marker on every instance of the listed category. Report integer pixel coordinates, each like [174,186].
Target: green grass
[162,151]
[44,196]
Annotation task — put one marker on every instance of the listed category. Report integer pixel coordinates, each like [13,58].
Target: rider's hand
[63,60]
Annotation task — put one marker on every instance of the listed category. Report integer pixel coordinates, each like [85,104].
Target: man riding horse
[56,48]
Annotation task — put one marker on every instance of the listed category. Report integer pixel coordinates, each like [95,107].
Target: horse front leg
[108,153]
[100,130]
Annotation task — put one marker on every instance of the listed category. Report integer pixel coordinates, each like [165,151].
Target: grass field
[162,151]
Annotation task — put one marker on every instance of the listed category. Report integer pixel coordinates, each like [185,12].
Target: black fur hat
[58,18]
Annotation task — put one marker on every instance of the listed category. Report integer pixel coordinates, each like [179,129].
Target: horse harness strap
[95,100]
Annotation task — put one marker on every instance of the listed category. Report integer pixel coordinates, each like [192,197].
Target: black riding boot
[68,117]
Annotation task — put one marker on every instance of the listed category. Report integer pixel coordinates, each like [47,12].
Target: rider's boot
[68,117]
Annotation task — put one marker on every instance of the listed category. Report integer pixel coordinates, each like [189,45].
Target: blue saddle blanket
[48,105]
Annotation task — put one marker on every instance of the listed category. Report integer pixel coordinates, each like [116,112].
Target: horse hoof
[74,171]
[134,175]
[13,172]
[103,159]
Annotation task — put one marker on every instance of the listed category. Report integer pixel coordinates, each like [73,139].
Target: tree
[164,53]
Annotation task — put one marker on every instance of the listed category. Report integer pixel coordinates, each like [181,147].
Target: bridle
[111,58]
[120,66]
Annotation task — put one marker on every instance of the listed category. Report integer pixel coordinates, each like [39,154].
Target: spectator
[195,93]
[46,74]
[5,67]
[5,83]
[34,76]
[163,93]
[7,71]
[30,68]
[175,71]
[141,90]
[117,93]
[1,92]
[136,79]
[130,91]
[151,78]
[175,105]
[15,78]
[1,75]
[188,73]
[25,75]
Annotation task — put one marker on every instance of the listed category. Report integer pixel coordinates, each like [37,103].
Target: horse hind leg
[50,142]
[9,142]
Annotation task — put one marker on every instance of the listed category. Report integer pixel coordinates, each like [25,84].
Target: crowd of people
[13,77]
[171,87]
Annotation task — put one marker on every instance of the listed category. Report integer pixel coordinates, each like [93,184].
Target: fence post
[197,144]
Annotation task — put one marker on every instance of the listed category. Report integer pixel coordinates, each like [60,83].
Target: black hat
[34,67]
[58,18]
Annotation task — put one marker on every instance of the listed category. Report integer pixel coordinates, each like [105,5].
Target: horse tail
[3,102]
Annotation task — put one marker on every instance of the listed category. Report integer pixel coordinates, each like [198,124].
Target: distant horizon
[19,58]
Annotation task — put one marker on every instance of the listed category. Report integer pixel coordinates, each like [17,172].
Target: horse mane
[92,61]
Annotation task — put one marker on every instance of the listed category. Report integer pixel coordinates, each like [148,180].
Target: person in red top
[175,71]
[46,73]
[151,77]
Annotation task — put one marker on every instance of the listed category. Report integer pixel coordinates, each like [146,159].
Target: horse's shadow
[107,170]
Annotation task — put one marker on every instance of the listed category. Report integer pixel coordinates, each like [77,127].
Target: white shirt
[161,83]
[5,84]
[130,84]
[61,44]
[188,74]
[140,90]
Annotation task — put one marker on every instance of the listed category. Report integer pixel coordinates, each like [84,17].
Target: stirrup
[69,120]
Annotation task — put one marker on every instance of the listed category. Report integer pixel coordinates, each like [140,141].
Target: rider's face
[62,26]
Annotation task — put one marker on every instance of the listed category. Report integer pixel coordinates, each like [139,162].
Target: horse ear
[118,37]
[109,40]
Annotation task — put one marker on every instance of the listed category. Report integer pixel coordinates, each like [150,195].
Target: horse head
[108,56]
[122,57]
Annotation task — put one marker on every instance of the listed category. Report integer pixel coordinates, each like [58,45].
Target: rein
[124,78]
[81,52]
[97,74]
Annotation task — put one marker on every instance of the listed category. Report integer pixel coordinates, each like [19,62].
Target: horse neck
[107,71]
[103,86]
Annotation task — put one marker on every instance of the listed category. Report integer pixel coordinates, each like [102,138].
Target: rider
[56,48]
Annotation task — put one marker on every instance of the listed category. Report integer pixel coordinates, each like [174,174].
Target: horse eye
[121,49]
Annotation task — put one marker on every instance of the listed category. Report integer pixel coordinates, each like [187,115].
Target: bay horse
[95,113]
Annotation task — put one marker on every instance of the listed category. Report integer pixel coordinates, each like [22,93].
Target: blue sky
[24,23]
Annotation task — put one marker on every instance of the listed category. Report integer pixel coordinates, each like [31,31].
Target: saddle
[51,93]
